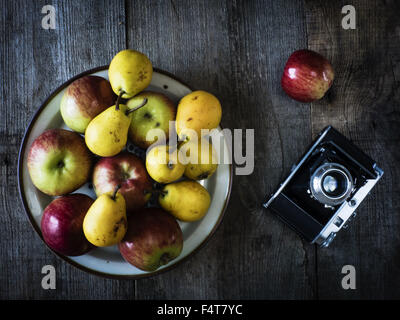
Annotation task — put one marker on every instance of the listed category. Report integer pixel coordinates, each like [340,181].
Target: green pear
[107,134]
[105,222]
[130,72]
[163,165]
[203,159]
[196,111]
[185,200]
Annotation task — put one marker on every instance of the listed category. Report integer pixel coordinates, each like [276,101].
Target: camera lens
[334,183]
[331,184]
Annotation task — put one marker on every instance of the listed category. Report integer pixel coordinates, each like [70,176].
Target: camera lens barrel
[331,184]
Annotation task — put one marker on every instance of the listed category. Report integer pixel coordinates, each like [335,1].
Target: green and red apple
[59,162]
[156,114]
[127,171]
[84,99]
[153,239]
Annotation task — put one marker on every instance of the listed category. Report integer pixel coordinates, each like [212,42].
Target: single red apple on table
[59,162]
[84,99]
[153,239]
[62,224]
[307,76]
[127,171]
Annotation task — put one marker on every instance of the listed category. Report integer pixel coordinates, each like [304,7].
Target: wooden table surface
[236,50]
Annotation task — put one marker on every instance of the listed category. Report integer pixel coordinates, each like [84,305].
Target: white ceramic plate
[107,261]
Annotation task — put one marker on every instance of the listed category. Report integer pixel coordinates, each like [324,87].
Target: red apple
[307,76]
[129,172]
[153,239]
[84,99]
[59,162]
[62,224]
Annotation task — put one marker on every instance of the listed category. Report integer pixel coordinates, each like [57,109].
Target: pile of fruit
[102,115]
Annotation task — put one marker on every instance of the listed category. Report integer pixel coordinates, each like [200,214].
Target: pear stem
[160,192]
[119,99]
[115,192]
[138,107]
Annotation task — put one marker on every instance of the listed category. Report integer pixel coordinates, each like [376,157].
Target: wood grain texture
[34,62]
[364,105]
[231,49]
[237,51]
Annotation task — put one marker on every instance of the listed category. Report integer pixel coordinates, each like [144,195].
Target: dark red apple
[153,239]
[129,172]
[307,76]
[62,224]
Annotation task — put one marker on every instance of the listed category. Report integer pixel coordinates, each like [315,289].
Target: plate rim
[21,152]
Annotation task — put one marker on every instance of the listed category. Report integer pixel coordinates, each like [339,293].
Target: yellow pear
[185,200]
[202,159]
[163,165]
[197,110]
[130,72]
[105,223]
[107,134]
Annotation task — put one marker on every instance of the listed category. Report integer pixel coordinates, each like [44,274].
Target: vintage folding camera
[322,192]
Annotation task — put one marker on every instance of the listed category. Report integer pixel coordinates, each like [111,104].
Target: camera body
[322,192]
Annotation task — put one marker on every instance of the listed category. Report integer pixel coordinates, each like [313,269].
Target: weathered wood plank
[236,51]
[34,62]
[364,104]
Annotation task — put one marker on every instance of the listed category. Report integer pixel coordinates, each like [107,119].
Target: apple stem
[138,107]
[119,99]
[115,192]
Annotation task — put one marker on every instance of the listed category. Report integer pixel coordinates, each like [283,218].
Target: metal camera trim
[344,212]
[295,168]
[317,179]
